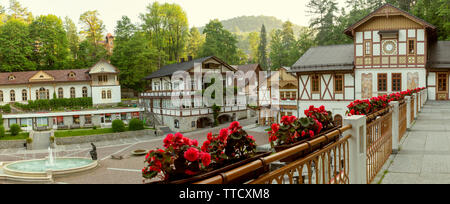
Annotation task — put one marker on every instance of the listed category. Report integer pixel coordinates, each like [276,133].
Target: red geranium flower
[191,154]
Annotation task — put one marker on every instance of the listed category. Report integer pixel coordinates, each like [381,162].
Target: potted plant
[181,159]
[294,131]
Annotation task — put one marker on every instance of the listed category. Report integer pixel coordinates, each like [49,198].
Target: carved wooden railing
[378,143]
[402,120]
[327,165]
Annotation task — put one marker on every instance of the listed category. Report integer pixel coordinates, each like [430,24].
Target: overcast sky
[199,12]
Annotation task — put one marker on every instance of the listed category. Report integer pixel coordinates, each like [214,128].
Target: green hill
[247,24]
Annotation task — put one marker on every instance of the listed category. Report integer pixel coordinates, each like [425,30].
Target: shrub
[94,128]
[136,124]
[29,140]
[118,126]
[15,129]
[2,131]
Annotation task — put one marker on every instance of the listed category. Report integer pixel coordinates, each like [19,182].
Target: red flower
[210,136]
[275,127]
[311,133]
[206,158]
[194,143]
[303,133]
[191,154]
[223,135]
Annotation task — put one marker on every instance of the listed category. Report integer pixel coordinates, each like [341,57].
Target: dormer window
[71,75]
[11,77]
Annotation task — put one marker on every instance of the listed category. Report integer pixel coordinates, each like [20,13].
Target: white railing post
[357,149]
[415,106]
[395,125]
[408,111]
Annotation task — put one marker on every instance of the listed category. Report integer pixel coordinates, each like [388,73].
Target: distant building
[193,113]
[108,43]
[100,82]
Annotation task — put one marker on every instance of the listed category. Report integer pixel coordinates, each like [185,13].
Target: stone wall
[12,144]
[104,137]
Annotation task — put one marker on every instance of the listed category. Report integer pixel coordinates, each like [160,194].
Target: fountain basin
[41,168]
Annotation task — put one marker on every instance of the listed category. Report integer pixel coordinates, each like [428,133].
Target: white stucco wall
[97,95]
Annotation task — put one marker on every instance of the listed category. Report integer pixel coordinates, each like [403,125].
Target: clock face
[389,47]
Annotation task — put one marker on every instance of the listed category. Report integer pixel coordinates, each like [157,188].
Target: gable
[388,17]
[103,67]
[41,76]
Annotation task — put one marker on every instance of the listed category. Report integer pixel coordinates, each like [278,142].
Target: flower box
[184,162]
[218,169]
[303,153]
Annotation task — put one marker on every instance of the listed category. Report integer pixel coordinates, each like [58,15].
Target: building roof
[169,70]
[246,67]
[326,58]
[439,55]
[377,12]
[58,76]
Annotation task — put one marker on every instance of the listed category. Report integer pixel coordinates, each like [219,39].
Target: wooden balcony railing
[378,144]
[327,165]
[402,121]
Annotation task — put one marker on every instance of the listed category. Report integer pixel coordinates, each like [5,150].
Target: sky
[199,12]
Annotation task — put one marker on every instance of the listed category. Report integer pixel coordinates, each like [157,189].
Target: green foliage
[220,42]
[15,47]
[2,131]
[53,50]
[6,108]
[118,126]
[216,111]
[136,124]
[195,43]
[29,140]
[15,129]
[57,103]
[262,49]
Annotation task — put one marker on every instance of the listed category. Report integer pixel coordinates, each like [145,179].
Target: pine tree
[262,49]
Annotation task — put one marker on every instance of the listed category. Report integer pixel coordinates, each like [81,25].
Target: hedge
[56,104]
[15,129]
[136,124]
[118,126]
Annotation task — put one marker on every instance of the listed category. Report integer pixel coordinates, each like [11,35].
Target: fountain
[48,167]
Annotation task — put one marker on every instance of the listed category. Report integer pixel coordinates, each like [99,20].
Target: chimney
[182,59]
[189,58]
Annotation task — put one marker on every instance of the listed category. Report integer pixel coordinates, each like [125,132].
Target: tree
[93,27]
[51,44]
[262,49]
[195,43]
[15,47]
[436,13]
[324,19]
[89,54]
[166,25]
[276,49]
[19,13]
[134,55]
[72,37]
[254,41]
[220,42]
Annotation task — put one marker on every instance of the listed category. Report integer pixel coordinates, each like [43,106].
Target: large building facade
[99,82]
[392,51]
[191,112]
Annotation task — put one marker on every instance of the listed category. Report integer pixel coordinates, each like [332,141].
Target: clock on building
[389,47]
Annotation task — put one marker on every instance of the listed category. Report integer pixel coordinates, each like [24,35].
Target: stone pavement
[126,171]
[424,156]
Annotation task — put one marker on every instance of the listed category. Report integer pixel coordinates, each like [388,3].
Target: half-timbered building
[392,51]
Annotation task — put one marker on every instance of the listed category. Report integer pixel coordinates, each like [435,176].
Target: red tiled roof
[58,75]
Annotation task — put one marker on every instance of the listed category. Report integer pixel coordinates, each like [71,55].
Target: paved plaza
[424,156]
[125,171]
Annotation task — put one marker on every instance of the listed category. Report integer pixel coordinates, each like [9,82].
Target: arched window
[24,95]
[85,92]
[13,95]
[109,94]
[60,93]
[1,96]
[103,94]
[43,94]
[177,124]
[72,92]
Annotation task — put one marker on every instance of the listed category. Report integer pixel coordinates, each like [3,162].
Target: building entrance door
[442,86]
